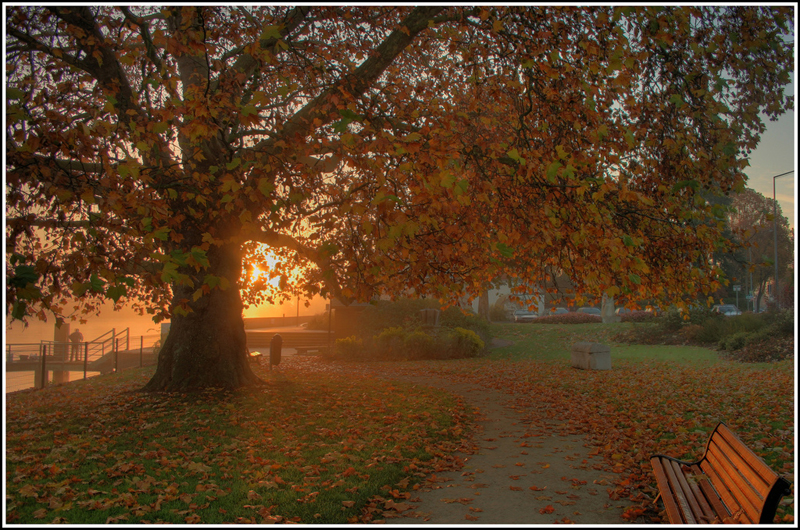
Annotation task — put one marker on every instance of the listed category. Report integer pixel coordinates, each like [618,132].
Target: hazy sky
[776,154]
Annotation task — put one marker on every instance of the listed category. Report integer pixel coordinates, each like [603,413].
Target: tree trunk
[483,305]
[208,347]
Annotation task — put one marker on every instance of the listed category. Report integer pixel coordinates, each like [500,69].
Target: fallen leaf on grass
[469,517]
[547,509]
[473,509]
[537,488]
[348,504]
[515,488]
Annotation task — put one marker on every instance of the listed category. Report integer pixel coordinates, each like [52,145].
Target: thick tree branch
[319,110]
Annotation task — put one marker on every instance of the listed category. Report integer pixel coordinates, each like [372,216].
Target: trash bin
[275,350]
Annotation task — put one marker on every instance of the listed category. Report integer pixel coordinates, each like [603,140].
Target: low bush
[420,345]
[569,318]
[466,343]
[453,317]
[349,347]
[390,343]
[397,344]
[637,316]
[736,341]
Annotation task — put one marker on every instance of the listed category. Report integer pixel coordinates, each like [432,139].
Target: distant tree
[752,223]
[158,155]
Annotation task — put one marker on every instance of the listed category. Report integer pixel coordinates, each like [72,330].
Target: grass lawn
[309,447]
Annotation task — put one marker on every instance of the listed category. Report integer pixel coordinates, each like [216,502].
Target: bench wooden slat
[710,495]
[714,469]
[752,485]
[766,475]
[687,490]
[730,487]
[679,493]
[673,512]
[700,506]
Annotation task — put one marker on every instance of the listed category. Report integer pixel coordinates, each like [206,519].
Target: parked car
[729,310]
[622,311]
[589,310]
[559,311]
[522,315]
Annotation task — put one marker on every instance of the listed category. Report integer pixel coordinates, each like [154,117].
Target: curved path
[521,474]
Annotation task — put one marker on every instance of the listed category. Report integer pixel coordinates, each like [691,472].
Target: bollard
[85,358]
[275,350]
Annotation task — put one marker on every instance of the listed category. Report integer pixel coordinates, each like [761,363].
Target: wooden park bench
[729,484]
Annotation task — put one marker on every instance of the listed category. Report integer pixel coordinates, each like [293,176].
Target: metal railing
[110,352]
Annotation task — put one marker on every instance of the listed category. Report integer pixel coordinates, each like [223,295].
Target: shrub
[637,316]
[782,322]
[712,330]
[736,341]
[420,345]
[569,318]
[349,347]
[454,317]
[465,343]
[390,342]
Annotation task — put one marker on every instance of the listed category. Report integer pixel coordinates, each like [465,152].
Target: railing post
[85,358]
[141,351]
[44,366]
[115,345]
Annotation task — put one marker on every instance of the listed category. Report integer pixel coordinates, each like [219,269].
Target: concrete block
[591,356]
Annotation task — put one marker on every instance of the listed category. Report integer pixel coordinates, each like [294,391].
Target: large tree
[157,156]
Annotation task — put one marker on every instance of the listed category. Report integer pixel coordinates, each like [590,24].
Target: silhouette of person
[76,337]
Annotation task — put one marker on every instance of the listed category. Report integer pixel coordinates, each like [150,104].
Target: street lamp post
[775,233]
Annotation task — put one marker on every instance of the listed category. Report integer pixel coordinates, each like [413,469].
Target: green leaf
[341,126]
[96,283]
[514,155]
[161,127]
[14,93]
[628,240]
[504,250]
[446,179]
[634,278]
[233,164]
[18,312]
[271,32]
[249,110]
[349,115]
[115,292]
[200,256]
[685,184]
[265,187]
[552,171]
[24,275]
[162,233]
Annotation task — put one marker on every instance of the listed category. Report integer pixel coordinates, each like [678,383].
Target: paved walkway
[522,473]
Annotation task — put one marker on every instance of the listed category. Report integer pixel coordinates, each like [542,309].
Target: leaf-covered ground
[332,442]
[309,447]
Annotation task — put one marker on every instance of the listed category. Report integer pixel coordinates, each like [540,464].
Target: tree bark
[483,305]
[208,347]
